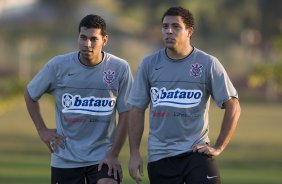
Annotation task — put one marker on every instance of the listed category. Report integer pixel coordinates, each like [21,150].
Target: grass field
[254,155]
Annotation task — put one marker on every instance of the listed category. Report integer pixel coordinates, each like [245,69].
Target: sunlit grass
[253,156]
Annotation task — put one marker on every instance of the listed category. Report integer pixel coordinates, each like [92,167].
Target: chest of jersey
[178,75]
[88,91]
[178,84]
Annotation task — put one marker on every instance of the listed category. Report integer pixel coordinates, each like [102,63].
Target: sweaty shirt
[179,92]
[86,101]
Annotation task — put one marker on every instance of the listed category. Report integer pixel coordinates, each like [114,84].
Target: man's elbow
[27,97]
[234,106]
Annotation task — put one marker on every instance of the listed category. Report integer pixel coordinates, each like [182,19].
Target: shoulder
[62,59]
[204,55]
[153,58]
[154,55]
[113,58]
[204,58]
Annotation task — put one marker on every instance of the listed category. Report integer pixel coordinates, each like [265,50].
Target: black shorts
[80,175]
[188,168]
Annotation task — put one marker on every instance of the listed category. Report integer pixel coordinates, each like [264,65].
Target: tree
[269,72]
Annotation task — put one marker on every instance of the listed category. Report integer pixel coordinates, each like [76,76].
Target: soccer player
[89,86]
[178,82]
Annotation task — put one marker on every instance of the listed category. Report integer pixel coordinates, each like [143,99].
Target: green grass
[254,155]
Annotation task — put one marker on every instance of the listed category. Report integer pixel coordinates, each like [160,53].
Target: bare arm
[121,133]
[136,128]
[229,124]
[46,135]
[111,158]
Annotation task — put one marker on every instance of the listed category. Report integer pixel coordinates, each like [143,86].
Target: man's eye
[83,38]
[93,39]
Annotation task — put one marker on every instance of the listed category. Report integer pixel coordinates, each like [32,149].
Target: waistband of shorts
[188,153]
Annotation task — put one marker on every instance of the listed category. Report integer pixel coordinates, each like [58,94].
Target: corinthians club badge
[196,70]
[109,76]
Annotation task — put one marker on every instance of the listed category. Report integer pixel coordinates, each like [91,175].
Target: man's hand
[135,164]
[52,139]
[113,164]
[206,149]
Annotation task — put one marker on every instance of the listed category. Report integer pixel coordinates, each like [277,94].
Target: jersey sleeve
[43,82]
[140,92]
[221,86]
[124,89]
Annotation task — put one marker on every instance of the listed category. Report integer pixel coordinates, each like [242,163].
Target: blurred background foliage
[245,35]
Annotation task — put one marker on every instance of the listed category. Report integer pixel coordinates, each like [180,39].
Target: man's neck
[91,62]
[179,54]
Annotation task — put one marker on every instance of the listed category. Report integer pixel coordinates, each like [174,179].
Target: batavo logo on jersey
[88,105]
[180,98]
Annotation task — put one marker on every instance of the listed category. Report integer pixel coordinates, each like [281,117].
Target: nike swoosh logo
[211,177]
[70,74]
[158,68]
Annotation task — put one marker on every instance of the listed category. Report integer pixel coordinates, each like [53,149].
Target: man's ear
[190,31]
[105,40]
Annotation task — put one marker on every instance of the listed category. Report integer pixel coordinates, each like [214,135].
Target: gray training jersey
[86,100]
[179,93]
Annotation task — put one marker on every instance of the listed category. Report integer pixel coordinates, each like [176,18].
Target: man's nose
[169,30]
[87,43]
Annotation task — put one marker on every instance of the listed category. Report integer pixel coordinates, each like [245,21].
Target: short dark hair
[185,14]
[93,21]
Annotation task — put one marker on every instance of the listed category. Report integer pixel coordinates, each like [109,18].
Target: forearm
[121,134]
[34,112]
[136,128]
[229,123]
